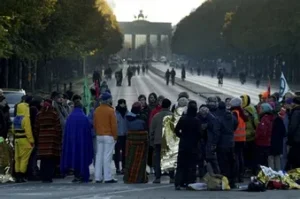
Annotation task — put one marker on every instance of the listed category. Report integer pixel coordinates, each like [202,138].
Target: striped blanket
[136,157]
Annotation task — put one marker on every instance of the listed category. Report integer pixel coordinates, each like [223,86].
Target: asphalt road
[64,189]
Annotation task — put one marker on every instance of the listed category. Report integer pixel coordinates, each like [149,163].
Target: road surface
[64,189]
[230,87]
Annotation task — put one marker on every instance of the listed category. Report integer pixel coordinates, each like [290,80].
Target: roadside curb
[201,91]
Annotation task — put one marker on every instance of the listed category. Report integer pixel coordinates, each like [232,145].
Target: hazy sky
[156,10]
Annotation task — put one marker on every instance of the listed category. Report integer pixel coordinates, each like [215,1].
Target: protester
[35,106]
[263,134]
[77,148]
[251,125]
[188,129]
[145,113]
[156,138]
[277,136]
[24,141]
[136,147]
[294,135]
[121,111]
[49,139]
[225,146]
[239,136]
[105,124]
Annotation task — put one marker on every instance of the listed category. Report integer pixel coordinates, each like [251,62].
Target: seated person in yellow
[23,141]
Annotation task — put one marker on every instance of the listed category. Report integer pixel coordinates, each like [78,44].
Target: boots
[19,178]
[22,177]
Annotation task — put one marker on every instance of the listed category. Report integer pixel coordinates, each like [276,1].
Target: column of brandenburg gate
[140,26]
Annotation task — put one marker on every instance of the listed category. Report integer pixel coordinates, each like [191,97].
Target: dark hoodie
[134,122]
[188,129]
[228,124]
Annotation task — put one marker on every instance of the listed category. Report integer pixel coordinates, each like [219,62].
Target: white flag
[284,87]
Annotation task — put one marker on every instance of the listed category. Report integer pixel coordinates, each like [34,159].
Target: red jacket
[153,113]
[264,130]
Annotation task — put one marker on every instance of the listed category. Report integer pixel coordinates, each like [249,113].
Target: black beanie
[121,101]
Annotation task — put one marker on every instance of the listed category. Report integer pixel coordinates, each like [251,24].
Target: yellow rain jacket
[253,120]
[23,138]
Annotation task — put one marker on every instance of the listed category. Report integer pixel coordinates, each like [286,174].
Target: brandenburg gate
[140,26]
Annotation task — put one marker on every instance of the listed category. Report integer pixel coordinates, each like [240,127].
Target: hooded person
[136,147]
[106,128]
[251,124]
[188,130]
[24,141]
[225,146]
[77,147]
[121,111]
[263,134]
[49,139]
[239,135]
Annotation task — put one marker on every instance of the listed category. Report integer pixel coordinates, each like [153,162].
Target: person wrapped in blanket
[136,147]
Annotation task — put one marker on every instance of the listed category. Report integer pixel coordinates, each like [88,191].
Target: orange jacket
[105,121]
[240,132]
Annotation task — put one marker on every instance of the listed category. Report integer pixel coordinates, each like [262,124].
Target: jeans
[105,148]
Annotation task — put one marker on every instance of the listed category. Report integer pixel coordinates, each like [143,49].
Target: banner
[284,87]
[86,96]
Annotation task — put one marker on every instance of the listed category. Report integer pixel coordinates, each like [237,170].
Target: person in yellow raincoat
[23,141]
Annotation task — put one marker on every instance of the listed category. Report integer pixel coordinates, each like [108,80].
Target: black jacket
[228,124]
[294,126]
[188,130]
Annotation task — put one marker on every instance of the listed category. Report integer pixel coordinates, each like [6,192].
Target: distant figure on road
[129,75]
[173,75]
[220,76]
[183,73]
[167,76]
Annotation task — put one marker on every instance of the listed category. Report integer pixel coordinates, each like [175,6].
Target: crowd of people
[232,135]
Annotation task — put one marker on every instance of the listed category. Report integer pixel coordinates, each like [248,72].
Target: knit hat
[236,102]
[105,96]
[121,101]
[266,108]
[166,103]
[136,107]
[183,94]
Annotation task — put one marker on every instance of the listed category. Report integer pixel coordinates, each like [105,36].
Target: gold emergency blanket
[170,142]
[6,159]
[267,174]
